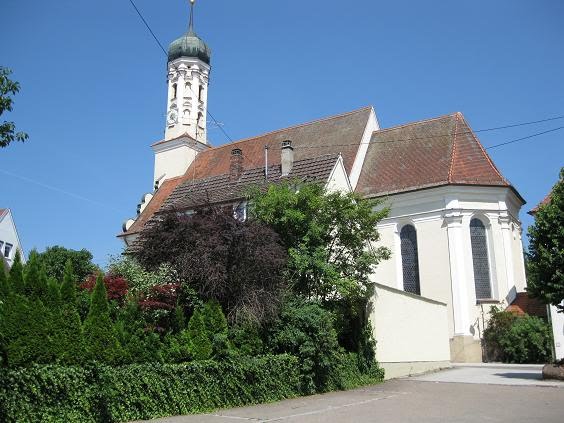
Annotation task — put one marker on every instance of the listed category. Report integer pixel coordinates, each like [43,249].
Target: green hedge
[100,393]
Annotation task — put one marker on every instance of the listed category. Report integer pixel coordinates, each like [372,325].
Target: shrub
[139,392]
[200,343]
[517,339]
[138,279]
[99,333]
[305,329]
[116,286]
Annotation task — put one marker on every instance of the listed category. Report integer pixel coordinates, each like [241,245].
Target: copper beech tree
[239,264]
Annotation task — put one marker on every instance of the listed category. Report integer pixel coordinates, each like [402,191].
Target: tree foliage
[517,339]
[329,236]
[55,258]
[8,89]
[239,264]
[545,262]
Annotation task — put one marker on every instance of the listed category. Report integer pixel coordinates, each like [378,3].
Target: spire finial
[191,25]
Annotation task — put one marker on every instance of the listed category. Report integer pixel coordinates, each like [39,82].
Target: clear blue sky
[93,89]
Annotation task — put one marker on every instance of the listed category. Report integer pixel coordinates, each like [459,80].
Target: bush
[517,339]
[101,341]
[135,392]
[305,329]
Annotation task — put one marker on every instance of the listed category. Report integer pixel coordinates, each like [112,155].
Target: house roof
[3,212]
[523,304]
[220,189]
[424,154]
[340,134]
[544,202]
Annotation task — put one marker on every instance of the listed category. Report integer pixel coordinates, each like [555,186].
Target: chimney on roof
[287,157]
[236,165]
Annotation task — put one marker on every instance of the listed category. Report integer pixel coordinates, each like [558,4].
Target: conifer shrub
[101,342]
[15,278]
[201,347]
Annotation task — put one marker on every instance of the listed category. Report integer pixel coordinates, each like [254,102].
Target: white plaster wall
[408,328]
[558,331]
[173,161]
[9,234]
[338,180]
[441,217]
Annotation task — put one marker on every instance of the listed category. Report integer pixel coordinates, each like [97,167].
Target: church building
[453,227]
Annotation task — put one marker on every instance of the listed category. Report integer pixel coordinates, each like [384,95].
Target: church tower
[187,101]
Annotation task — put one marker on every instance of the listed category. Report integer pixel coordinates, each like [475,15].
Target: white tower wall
[187,101]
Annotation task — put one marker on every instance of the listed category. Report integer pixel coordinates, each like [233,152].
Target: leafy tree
[239,264]
[329,236]
[546,249]
[99,333]
[8,88]
[55,258]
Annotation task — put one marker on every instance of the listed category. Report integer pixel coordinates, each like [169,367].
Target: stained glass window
[409,260]
[480,259]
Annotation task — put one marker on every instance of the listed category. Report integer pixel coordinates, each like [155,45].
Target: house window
[480,259]
[7,250]
[409,260]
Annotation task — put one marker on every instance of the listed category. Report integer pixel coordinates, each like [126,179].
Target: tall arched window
[409,260]
[480,259]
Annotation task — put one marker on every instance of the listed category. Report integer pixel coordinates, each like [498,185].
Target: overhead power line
[524,138]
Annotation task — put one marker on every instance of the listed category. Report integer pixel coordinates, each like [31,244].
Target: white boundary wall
[411,332]
[558,331]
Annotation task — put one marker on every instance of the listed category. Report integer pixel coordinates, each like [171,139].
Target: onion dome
[189,45]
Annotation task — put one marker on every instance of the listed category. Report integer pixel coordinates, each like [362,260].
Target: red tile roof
[427,153]
[523,304]
[330,136]
[544,202]
[158,199]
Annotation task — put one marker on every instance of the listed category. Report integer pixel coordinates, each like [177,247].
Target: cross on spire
[191,25]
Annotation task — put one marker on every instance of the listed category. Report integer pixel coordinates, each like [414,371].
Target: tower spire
[191,24]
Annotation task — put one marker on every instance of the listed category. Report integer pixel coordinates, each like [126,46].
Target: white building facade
[9,239]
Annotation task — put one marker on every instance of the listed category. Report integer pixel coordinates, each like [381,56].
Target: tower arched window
[409,260]
[174,90]
[480,259]
[201,93]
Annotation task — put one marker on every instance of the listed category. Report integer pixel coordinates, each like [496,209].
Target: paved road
[512,395]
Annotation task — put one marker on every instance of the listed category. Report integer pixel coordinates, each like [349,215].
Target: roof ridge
[417,122]
[484,152]
[300,125]
[458,115]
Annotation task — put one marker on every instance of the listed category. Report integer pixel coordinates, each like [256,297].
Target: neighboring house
[453,228]
[9,239]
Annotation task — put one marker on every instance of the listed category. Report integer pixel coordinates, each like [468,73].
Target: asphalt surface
[486,394]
